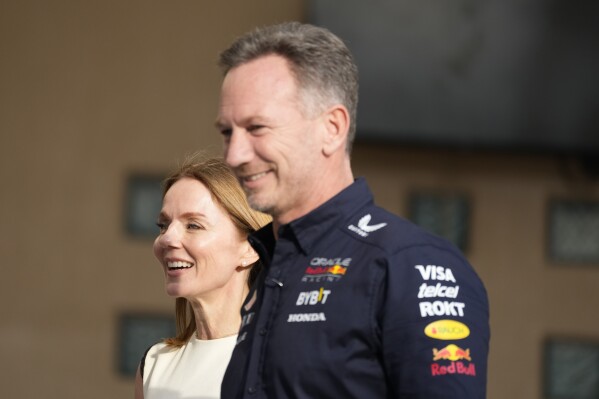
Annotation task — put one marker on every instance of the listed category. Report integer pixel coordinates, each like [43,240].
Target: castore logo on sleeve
[364,228]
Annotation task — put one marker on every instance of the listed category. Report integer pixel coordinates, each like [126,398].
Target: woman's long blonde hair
[218,178]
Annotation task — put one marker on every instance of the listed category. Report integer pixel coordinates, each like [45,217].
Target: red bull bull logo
[453,353]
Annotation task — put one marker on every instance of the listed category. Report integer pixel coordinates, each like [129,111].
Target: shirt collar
[311,228]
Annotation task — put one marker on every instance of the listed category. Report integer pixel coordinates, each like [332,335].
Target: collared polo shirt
[355,302]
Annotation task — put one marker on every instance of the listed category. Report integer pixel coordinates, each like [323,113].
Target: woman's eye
[194,226]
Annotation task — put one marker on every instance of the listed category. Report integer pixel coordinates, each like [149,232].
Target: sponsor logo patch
[432,272]
[447,330]
[451,352]
[364,228]
[306,317]
[326,269]
[453,368]
[313,297]
[454,354]
[330,261]
[323,273]
[442,308]
[438,291]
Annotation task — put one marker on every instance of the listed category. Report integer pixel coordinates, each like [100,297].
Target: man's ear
[249,257]
[336,122]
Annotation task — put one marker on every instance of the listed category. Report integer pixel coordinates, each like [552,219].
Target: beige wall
[92,91]
[89,92]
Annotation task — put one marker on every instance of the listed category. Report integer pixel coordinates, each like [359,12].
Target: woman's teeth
[179,265]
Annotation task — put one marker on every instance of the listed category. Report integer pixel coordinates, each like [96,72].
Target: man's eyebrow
[220,125]
[251,120]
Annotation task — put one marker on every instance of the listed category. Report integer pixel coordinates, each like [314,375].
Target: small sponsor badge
[447,330]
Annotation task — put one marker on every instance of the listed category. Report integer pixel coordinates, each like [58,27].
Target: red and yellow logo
[336,270]
[447,330]
[454,354]
[451,352]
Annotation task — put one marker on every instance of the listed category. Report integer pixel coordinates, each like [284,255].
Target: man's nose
[238,149]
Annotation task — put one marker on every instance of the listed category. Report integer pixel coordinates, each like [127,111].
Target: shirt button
[262,331]
[252,390]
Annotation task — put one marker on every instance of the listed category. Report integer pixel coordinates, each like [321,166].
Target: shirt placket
[273,286]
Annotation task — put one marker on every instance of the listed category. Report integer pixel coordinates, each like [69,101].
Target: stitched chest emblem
[326,269]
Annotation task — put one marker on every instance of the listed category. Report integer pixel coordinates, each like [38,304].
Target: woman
[208,266]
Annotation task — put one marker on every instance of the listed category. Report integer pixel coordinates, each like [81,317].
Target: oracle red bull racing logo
[326,269]
[454,354]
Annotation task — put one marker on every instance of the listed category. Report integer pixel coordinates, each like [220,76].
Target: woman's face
[199,247]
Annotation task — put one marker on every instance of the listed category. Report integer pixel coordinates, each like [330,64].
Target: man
[353,301]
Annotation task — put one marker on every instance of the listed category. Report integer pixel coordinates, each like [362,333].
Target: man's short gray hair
[322,64]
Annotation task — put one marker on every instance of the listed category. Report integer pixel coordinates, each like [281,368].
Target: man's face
[271,142]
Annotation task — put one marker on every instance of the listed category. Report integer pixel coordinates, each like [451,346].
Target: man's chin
[259,204]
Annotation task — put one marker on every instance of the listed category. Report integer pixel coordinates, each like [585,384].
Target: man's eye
[254,128]
[161,226]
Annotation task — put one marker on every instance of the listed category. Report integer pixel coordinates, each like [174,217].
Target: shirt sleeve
[434,325]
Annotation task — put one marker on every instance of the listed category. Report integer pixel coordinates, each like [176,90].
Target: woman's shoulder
[161,349]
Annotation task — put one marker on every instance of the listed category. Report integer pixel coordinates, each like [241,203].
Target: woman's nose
[171,237]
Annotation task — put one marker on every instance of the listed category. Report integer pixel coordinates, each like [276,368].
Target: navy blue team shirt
[355,302]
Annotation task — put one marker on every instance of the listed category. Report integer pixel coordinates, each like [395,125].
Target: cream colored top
[194,370]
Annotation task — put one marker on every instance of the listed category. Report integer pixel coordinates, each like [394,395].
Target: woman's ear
[249,257]
[336,121]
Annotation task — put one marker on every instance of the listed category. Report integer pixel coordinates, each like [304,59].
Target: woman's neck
[218,316]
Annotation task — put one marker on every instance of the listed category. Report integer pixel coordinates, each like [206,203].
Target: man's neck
[329,186]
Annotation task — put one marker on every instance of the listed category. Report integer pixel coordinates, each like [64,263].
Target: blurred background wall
[93,92]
